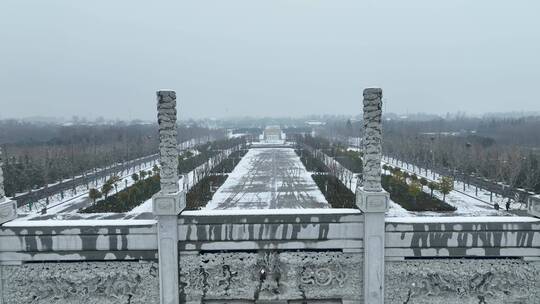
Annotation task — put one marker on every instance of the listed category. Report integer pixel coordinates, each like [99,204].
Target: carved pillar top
[372,145]
[2,192]
[166,106]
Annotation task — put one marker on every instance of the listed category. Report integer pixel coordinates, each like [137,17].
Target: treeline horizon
[505,150]
[258,120]
[35,154]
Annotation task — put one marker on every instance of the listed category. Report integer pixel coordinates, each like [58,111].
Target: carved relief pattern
[271,275]
[84,282]
[166,106]
[372,145]
[322,275]
[218,275]
[462,281]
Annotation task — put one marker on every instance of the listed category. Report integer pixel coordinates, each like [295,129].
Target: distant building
[273,133]
[314,123]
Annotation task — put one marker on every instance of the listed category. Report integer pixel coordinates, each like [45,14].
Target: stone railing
[456,237]
[79,261]
[462,260]
[278,254]
[271,255]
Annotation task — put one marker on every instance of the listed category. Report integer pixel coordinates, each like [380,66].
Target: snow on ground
[80,175]
[465,203]
[268,178]
[57,203]
[271,143]
[80,200]
[187,181]
[393,210]
[471,190]
[144,207]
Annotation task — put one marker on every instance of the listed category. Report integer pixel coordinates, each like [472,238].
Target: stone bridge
[267,248]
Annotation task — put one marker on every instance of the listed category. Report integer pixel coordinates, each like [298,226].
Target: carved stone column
[170,201]
[8,208]
[372,199]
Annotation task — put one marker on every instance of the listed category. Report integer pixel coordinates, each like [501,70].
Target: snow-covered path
[269,178]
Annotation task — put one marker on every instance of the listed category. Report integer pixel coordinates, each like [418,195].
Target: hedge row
[335,192]
[400,194]
[228,164]
[206,151]
[127,199]
[198,196]
[311,163]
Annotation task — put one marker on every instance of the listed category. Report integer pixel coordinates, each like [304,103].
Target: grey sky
[273,57]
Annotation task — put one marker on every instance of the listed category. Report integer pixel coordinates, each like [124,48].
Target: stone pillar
[372,199]
[8,208]
[170,200]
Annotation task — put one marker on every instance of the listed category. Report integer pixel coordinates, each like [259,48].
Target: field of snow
[268,178]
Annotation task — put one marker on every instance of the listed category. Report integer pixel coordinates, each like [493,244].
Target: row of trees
[517,167]
[188,161]
[501,155]
[404,188]
[146,183]
[311,163]
[201,193]
[407,190]
[488,154]
[335,192]
[112,183]
[48,153]
[416,185]
[230,162]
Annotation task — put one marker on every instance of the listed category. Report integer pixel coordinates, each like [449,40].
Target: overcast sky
[267,58]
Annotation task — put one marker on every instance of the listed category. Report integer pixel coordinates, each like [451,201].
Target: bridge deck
[269,178]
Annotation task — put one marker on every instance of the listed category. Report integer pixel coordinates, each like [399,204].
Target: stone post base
[167,207]
[368,201]
[168,203]
[8,210]
[374,205]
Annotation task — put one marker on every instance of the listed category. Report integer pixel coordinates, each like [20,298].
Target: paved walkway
[269,178]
